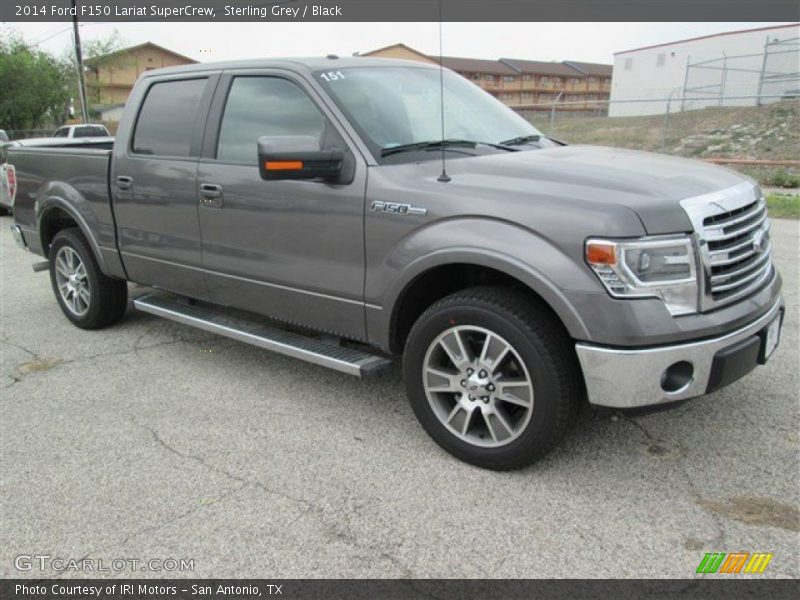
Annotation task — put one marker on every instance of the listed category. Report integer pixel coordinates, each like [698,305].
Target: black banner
[400,10]
[394,589]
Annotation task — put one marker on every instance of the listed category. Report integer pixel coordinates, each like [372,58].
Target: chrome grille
[732,233]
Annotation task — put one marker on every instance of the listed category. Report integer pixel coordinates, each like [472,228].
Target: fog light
[677,376]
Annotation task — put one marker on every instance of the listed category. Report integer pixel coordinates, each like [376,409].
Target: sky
[206,42]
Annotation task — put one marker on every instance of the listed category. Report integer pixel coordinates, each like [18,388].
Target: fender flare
[504,263]
[46,205]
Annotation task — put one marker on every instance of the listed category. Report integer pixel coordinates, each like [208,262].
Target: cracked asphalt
[152,440]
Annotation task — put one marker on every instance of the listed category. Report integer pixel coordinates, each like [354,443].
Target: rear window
[90,131]
[167,119]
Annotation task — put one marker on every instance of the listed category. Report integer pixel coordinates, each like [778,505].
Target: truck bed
[76,176]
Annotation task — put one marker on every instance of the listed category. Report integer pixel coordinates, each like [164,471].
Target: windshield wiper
[519,141]
[433,145]
[427,146]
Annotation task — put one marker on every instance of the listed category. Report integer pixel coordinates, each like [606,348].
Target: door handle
[124,182]
[211,195]
[210,190]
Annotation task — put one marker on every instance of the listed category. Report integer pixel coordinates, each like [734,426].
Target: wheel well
[53,221]
[442,281]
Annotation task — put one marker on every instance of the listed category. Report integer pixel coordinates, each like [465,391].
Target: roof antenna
[444,177]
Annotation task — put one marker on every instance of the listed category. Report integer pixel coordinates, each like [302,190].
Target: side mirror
[297,157]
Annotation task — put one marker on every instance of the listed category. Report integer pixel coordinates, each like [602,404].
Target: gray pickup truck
[320,208]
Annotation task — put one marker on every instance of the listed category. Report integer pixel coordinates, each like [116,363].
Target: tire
[90,299]
[520,406]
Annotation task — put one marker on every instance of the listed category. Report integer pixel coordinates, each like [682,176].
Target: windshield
[398,106]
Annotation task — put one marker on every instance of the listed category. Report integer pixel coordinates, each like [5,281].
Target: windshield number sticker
[332,76]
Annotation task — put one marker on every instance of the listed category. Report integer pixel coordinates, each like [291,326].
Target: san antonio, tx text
[98,591]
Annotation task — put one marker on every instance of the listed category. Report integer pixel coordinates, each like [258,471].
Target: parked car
[3,136]
[88,130]
[516,276]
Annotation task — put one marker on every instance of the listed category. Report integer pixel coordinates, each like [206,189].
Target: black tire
[4,211]
[541,343]
[108,297]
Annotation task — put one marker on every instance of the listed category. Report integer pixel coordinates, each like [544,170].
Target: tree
[35,86]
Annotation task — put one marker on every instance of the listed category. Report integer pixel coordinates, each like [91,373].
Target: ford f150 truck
[332,210]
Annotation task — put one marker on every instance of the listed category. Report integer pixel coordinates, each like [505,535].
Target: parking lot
[152,440]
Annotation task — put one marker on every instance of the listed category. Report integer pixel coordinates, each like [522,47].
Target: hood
[651,185]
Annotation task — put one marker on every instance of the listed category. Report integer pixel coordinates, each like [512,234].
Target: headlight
[657,268]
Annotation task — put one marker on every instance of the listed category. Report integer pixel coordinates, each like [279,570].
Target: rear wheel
[492,377]
[87,297]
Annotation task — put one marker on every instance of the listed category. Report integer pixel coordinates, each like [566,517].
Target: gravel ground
[152,440]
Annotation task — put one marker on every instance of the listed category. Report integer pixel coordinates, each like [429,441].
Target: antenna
[444,177]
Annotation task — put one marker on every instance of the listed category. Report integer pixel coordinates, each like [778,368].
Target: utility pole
[79,61]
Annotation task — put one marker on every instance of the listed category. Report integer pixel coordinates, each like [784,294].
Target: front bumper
[629,378]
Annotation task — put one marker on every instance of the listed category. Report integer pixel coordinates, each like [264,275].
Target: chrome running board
[257,331]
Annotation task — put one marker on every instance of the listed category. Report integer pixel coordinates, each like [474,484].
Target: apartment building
[525,84]
[110,78]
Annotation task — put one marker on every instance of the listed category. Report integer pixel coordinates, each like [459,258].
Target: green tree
[35,85]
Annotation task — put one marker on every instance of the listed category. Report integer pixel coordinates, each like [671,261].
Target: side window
[62,132]
[259,106]
[167,118]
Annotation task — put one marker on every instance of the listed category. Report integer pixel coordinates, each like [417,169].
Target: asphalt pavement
[155,441]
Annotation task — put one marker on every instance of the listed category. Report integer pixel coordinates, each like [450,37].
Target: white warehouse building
[696,72]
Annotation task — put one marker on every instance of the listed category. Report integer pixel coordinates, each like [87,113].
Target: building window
[475,76]
[488,77]
[574,80]
[527,97]
[527,78]
[629,63]
[508,78]
[660,59]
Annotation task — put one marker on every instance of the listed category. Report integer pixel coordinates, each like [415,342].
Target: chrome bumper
[19,237]
[631,378]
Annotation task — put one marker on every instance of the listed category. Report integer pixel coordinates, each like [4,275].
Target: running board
[254,330]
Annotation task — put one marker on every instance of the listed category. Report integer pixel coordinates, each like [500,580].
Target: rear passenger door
[293,250]
[153,184]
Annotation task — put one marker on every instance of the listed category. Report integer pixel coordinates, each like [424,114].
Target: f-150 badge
[396,208]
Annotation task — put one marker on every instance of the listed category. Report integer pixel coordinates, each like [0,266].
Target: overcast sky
[591,42]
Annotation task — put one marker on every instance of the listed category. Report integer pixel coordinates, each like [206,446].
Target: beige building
[525,83]
[110,78]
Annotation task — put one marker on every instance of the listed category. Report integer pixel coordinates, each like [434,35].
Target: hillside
[769,132]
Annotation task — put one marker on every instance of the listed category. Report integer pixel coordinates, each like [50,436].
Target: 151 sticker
[332,76]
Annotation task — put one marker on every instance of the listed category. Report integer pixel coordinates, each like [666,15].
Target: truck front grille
[732,233]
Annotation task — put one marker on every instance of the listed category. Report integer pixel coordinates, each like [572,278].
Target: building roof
[475,65]
[508,66]
[704,37]
[131,49]
[591,69]
[395,46]
[541,67]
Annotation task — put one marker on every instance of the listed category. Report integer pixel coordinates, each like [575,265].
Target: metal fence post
[763,72]
[724,78]
[666,121]
[685,80]
[553,112]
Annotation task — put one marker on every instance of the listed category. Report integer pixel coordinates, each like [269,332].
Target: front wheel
[87,297]
[492,377]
